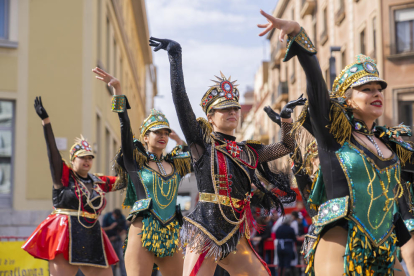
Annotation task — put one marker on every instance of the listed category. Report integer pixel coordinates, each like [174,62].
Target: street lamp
[332,62]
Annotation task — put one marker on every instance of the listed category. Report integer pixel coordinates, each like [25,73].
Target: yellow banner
[14,261]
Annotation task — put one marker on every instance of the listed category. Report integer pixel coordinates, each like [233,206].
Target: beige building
[48,48]
[382,29]
[398,60]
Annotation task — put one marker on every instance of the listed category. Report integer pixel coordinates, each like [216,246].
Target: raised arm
[185,113]
[55,159]
[120,105]
[287,144]
[300,45]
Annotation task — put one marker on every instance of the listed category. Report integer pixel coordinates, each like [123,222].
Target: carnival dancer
[153,179]
[71,237]
[357,231]
[217,231]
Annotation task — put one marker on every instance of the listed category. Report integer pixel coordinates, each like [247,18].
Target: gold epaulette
[339,127]
[253,142]
[206,128]
[404,154]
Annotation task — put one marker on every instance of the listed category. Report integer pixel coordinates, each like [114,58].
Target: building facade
[381,29]
[48,48]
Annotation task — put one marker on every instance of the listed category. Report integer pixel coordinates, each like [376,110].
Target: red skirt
[51,238]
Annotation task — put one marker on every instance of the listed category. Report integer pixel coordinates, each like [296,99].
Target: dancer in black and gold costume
[218,230]
[153,180]
[359,224]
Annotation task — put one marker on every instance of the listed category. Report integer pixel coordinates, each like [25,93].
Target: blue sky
[214,35]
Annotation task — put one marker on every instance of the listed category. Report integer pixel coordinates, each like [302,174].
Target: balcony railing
[308,6]
[340,13]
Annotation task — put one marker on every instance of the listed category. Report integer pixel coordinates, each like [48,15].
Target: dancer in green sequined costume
[359,225]
[153,180]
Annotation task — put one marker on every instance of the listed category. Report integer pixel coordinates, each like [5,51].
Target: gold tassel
[404,154]
[340,127]
[301,119]
[206,129]
[182,165]
[139,157]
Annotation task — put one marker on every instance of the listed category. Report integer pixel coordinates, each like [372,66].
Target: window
[404,30]
[343,59]
[108,46]
[327,76]
[115,60]
[98,142]
[108,156]
[324,35]
[404,112]
[4,19]
[6,151]
[114,151]
[362,47]
[99,30]
[374,36]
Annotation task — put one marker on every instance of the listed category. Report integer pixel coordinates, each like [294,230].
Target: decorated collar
[361,127]
[153,157]
[226,138]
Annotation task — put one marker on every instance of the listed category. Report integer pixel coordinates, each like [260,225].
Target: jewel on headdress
[353,69]
[224,83]
[214,92]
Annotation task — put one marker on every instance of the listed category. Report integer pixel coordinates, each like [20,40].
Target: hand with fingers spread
[176,138]
[286,27]
[108,79]
[166,44]
[288,108]
[275,117]
[40,110]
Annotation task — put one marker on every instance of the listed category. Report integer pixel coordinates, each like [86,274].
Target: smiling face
[157,140]
[225,120]
[82,165]
[367,101]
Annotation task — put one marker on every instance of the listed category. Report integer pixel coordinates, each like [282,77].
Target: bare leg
[207,268]
[172,265]
[244,262]
[329,255]
[407,253]
[138,260]
[59,266]
[92,271]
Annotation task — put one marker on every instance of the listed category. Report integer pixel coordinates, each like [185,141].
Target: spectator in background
[286,239]
[298,227]
[307,220]
[114,225]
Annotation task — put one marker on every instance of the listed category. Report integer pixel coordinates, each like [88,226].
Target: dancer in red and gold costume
[71,237]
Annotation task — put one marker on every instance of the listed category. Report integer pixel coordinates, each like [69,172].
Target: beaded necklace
[83,190]
[361,128]
[153,157]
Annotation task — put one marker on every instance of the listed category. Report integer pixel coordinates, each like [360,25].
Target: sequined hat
[223,94]
[80,148]
[156,120]
[363,70]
